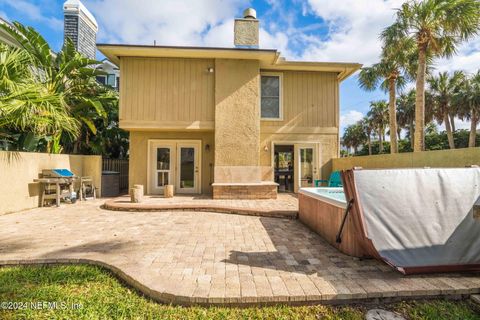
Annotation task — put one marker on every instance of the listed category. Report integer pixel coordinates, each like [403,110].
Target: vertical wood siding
[166,89]
[309,100]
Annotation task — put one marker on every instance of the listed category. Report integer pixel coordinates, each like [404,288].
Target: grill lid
[57,173]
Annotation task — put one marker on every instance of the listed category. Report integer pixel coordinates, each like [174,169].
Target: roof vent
[250,13]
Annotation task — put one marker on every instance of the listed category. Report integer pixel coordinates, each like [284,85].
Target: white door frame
[174,163]
[197,145]
[297,168]
[151,164]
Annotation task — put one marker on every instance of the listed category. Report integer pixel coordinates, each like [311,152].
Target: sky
[312,30]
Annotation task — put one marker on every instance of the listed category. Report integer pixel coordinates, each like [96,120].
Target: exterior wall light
[265,148]
[207,148]
[210,70]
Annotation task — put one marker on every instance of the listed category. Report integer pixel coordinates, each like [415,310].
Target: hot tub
[322,210]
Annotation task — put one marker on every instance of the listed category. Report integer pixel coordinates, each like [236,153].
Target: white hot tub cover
[417,220]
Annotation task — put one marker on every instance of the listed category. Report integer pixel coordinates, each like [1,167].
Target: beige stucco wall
[441,158]
[237,121]
[18,169]
[139,149]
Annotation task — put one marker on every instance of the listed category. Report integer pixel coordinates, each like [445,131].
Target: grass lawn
[99,295]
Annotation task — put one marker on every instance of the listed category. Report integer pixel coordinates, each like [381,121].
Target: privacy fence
[439,158]
[120,166]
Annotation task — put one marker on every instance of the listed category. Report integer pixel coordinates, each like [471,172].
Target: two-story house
[237,122]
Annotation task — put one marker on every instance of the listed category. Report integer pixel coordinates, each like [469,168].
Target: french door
[188,168]
[174,163]
[306,165]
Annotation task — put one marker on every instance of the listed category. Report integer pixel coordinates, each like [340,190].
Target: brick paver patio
[286,205]
[211,258]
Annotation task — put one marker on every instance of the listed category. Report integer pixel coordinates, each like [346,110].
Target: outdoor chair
[334,181]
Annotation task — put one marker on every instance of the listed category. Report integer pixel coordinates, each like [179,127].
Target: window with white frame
[271,97]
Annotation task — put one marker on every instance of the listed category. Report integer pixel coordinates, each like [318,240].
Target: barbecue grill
[57,184]
[57,173]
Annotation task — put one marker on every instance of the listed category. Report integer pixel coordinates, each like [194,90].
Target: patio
[285,206]
[187,257]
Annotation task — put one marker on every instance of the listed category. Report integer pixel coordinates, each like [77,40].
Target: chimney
[246,30]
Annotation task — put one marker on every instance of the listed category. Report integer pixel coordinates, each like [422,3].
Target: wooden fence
[118,165]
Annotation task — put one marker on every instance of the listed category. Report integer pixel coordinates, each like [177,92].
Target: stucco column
[237,121]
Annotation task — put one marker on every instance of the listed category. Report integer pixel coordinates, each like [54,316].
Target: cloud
[169,22]
[4,15]
[353,29]
[349,118]
[346,30]
[35,13]
[466,59]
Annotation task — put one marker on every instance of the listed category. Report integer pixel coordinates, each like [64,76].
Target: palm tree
[406,113]
[27,105]
[354,136]
[368,127]
[379,116]
[468,101]
[438,27]
[442,89]
[65,76]
[391,75]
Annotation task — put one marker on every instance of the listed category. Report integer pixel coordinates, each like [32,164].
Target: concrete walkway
[211,258]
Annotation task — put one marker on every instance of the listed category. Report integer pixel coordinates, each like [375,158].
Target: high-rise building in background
[81,27]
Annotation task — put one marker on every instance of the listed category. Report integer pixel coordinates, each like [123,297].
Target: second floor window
[271,102]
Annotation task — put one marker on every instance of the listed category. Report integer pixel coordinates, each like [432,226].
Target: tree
[28,106]
[354,136]
[64,83]
[438,27]
[379,116]
[406,113]
[442,89]
[390,74]
[467,101]
[368,127]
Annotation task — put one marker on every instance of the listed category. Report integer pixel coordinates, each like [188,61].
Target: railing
[118,165]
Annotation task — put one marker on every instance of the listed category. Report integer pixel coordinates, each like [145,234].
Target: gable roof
[269,58]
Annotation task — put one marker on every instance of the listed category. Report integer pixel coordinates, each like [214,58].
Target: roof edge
[270,59]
